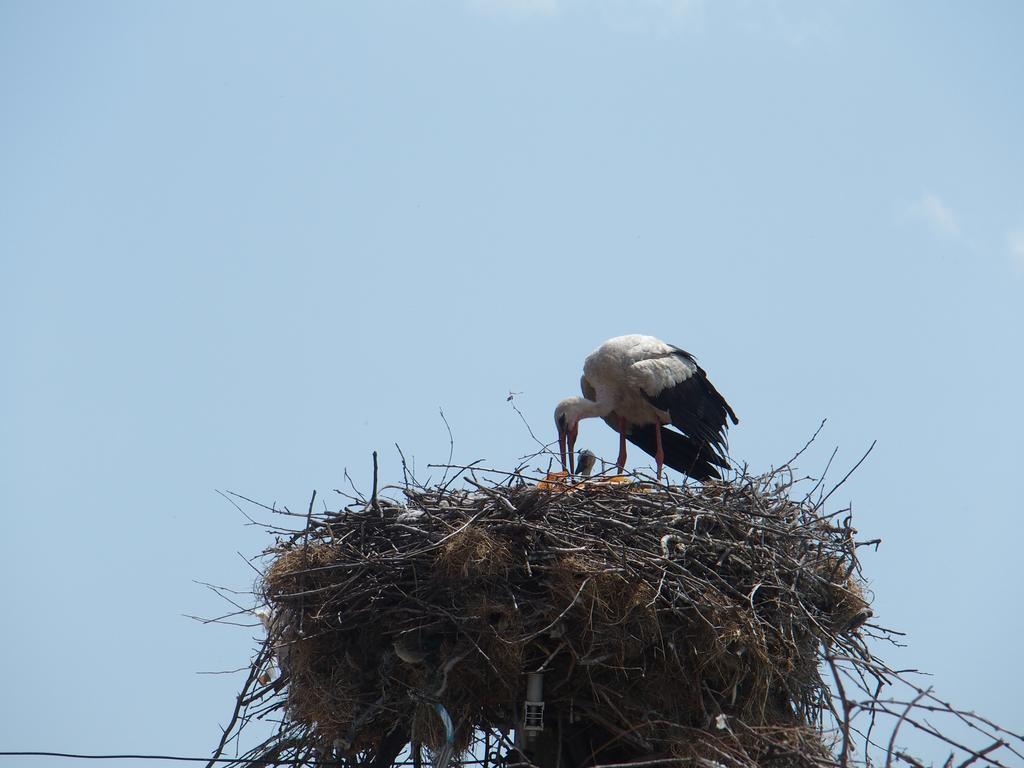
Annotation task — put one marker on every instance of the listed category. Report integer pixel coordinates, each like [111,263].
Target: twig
[374,501]
[451,447]
[847,475]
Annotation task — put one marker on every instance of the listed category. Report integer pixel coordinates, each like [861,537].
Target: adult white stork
[638,384]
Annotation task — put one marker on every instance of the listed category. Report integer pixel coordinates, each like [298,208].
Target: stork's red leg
[659,453]
[621,461]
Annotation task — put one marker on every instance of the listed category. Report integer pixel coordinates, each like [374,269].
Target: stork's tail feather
[697,460]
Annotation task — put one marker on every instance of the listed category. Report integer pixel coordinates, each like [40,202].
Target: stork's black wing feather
[699,461]
[697,409]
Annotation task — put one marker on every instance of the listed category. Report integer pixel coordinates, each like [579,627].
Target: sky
[245,244]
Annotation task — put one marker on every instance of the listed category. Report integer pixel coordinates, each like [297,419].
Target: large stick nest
[681,621]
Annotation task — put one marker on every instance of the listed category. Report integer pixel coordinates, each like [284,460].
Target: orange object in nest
[555,481]
[561,481]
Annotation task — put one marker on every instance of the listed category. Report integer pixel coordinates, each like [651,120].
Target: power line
[178,758]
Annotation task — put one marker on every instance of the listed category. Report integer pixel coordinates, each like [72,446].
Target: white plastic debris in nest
[671,544]
[411,517]
[276,627]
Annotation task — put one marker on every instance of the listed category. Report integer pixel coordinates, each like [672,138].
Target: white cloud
[518,7]
[936,214]
[1015,245]
[647,17]
[677,9]
[639,10]
[795,24]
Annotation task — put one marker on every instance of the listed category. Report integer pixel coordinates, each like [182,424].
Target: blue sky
[242,245]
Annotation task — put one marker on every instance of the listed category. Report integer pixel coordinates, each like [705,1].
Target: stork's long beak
[567,444]
[561,444]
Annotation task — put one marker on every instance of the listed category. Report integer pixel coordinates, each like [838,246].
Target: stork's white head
[567,420]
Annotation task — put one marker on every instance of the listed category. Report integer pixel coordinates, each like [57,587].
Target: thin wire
[179,758]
